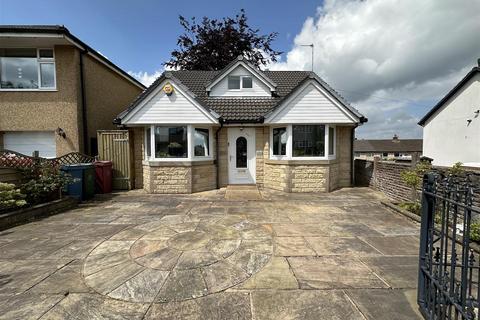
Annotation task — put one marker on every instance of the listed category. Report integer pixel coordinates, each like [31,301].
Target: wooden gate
[114,145]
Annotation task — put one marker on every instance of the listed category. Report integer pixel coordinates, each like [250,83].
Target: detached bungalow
[201,130]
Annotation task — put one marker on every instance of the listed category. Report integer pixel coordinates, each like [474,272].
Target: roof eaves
[339,97]
[459,85]
[58,29]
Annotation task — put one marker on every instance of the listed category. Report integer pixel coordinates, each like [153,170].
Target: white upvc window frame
[40,61]
[289,151]
[190,146]
[241,82]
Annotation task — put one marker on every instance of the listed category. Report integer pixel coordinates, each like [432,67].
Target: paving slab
[292,246]
[275,275]
[394,245]
[348,246]
[27,306]
[94,307]
[303,305]
[386,304]
[220,306]
[333,272]
[397,271]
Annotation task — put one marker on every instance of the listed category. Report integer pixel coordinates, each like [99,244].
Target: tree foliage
[213,43]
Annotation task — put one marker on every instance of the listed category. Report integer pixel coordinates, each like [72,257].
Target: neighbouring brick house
[388,149]
[200,130]
[56,91]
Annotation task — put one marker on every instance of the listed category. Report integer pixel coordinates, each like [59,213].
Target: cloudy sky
[392,59]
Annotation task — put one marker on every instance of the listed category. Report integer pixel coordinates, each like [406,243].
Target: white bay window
[303,142]
[27,69]
[177,143]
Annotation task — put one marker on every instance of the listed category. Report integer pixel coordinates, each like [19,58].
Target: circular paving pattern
[178,258]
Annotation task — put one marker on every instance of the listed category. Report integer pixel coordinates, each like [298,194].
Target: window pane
[45,53]
[19,73]
[47,75]
[171,142]
[148,142]
[279,141]
[241,151]
[19,53]
[233,82]
[200,142]
[309,141]
[247,82]
[331,140]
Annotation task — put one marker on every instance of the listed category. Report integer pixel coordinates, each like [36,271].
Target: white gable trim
[246,66]
[176,87]
[270,118]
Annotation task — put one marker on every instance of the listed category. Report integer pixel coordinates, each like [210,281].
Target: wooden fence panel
[114,145]
[10,175]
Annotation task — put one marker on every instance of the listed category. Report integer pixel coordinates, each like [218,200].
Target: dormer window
[240,82]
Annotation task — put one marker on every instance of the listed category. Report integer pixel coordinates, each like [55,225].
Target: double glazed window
[309,141]
[239,82]
[303,141]
[176,142]
[27,69]
[200,142]
[280,141]
[171,142]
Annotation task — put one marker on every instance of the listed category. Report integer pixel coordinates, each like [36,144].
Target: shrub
[45,183]
[413,207]
[456,169]
[475,231]
[413,177]
[10,197]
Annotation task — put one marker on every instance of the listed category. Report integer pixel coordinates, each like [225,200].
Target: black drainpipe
[220,120]
[352,166]
[84,105]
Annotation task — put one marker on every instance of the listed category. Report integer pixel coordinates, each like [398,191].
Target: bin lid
[103,163]
[77,166]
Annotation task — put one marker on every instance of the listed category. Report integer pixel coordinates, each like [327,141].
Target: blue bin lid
[77,166]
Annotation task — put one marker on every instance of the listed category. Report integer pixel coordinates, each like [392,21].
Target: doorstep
[242,192]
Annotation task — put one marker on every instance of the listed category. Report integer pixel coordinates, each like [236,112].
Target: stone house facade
[201,130]
[56,91]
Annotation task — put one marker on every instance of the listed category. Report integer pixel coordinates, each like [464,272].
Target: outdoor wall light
[61,133]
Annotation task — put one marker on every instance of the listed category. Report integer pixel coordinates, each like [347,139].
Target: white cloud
[145,77]
[392,59]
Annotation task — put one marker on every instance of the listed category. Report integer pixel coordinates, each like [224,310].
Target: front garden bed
[24,215]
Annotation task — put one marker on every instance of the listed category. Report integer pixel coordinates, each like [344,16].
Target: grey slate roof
[244,109]
[387,145]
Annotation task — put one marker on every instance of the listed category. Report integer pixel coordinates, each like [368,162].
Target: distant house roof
[388,145]
[459,85]
[240,109]
[61,30]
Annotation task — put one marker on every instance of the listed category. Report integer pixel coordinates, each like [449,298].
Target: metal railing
[449,261]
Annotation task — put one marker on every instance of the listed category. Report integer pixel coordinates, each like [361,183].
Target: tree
[214,43]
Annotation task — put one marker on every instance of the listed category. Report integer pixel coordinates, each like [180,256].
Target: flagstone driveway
[206,256]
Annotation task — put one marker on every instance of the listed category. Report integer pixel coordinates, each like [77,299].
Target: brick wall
[309,178]
[385,176]
[204,177]
[277,177]
[170,179]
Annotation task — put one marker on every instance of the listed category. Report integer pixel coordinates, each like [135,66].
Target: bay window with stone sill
[178,143]
[303,142]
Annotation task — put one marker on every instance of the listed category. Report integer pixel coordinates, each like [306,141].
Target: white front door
[241,155]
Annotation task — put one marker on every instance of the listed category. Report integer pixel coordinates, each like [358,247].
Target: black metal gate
[449,268]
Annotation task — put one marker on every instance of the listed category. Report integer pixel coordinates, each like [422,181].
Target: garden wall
[385,176]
